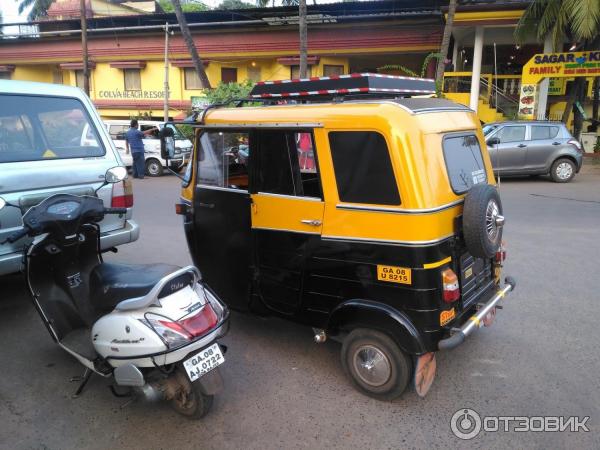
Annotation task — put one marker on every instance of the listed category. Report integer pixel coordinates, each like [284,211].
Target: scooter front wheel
[189,400]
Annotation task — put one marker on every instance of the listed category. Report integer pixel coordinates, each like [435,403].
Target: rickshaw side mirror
[167,143]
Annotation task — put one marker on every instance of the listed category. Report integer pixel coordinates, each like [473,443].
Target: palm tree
[439,73]
[576,20]
[303,38]
[189,42]
[39,8]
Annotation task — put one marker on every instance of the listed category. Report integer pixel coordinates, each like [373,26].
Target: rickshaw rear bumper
[475,321]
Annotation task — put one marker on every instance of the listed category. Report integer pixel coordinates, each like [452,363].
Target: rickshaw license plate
[393,274]
[203,362]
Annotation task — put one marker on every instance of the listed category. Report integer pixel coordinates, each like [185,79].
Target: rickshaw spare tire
[483,221]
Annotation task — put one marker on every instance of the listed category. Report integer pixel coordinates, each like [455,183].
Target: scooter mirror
[115,174]
[2,203]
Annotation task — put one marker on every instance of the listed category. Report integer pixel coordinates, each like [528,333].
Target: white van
[155,165]
[53,141]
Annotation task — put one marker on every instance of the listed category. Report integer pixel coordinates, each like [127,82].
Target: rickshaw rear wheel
[376,364]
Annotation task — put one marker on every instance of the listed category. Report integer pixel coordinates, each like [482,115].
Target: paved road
[283,391]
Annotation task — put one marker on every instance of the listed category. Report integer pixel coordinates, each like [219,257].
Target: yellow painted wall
[33,73]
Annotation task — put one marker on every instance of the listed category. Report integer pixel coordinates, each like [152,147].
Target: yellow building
[486,69]
[127,51]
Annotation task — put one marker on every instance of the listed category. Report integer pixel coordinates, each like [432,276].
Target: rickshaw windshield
[223,159]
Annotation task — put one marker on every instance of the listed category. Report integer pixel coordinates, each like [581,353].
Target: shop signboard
[553,66]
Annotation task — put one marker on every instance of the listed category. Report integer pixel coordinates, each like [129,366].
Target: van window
[463,162]
[117,132]
[286,164]
[363,168]
[223,159]
[543,132]
[36,128]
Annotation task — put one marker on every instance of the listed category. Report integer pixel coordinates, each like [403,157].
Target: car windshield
[40,128]
[488,129]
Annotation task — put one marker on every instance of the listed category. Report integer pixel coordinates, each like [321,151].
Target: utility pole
[303,38]
[166,85]
[86,71]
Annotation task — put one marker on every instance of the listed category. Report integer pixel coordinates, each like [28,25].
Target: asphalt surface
[540,358]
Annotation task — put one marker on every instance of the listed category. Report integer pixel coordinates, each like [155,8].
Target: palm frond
[404,69]
[584,17]
[24,4]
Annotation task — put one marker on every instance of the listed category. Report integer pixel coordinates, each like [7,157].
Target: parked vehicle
[389,241]
[534,148]
[53,141]
[152,328]
[155,164]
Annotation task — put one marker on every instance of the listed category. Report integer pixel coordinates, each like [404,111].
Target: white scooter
[152,328]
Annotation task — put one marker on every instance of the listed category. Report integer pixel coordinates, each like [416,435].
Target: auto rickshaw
[388,239]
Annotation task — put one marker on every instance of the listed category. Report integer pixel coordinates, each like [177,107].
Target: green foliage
[409,72]
[597,145]
[578,19]
[167,6]
[235,4]
[225,92]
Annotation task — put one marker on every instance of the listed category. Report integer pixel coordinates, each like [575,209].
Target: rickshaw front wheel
[375,363]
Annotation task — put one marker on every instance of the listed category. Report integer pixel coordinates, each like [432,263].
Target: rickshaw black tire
[479,243]
[400,363]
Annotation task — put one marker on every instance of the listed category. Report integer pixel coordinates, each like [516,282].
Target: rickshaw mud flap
[474,322]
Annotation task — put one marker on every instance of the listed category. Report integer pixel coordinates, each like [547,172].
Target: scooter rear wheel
[189,400]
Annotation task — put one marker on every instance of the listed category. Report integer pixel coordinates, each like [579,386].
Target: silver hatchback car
[533,148]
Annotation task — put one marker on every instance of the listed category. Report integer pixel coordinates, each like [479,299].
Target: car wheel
[483,221]
[154,168]
[563,170]
[375,364]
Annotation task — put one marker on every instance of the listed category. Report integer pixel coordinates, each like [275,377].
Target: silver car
[53,141]
[533,148]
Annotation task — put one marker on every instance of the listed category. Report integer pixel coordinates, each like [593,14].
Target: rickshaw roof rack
[356,85]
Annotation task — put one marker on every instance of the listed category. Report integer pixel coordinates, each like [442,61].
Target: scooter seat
[110,283]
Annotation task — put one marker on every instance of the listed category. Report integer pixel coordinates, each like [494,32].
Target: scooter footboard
[165,286]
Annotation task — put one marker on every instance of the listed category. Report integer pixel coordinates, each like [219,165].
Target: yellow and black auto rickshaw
[345,204]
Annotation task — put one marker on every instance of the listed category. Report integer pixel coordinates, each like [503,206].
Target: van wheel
[563,170]
[375,363]
[483,221]
[154,168]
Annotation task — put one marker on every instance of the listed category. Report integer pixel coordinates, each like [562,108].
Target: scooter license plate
[203,362]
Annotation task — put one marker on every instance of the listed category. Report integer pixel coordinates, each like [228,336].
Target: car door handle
[311,222]
[556,143]
[521,145]
[206,205]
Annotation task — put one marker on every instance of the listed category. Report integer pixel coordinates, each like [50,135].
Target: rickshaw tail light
[501,253]
[450,285]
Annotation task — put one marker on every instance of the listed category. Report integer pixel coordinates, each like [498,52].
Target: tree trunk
[580,94]
[189,42]
[596,102]
[445,41]
[303,38]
